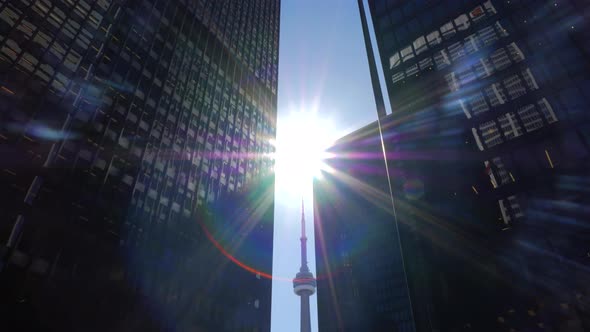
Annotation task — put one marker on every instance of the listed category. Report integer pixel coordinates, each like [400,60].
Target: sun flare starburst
[302,138]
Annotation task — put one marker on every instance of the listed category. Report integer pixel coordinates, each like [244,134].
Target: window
[466,76]
[11,49]
[483,68]
[500,59]
[504,213]
[477,14]
[471,44]
[510,209]
[9,16]
[407,53]
[530,79]
[426,64]
[124,142]
[501,171]
[27,28]
[433,38]
[394,60]
[490,7]
[462,22]
[452,81]
[441,59]
[476,137]
[515,206]
[42,39]
[515,52]
[397,77]
[495,95]
[514,87]
[58,51]
[72,60]
[71,28]
[103,4]
[28,62]
[447,30]
[530,117]
[478,104]
[41,8]
[82,40]
[456,51]
[411,71]
[56,18]
[94,19]
[490,133]
[547,110]
[82,9]
[420,45]
[509,125]
[61,82]
[487,35]
[44,72]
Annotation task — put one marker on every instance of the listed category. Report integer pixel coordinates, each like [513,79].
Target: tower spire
[304,283]
[302,219]
[304,267]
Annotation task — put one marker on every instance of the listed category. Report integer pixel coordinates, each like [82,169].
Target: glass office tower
[488,150]
[361,280]
[490,96]
[136,163]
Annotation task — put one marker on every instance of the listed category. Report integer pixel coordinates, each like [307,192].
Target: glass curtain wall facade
[489,149]
[132,133]
[362,283]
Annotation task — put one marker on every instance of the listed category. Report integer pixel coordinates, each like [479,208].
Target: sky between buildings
[322,61]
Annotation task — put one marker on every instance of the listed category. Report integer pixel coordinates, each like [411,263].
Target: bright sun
[302,137]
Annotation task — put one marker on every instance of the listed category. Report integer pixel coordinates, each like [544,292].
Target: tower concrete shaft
[305,319]
[304,283]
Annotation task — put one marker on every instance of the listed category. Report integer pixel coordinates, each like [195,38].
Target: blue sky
[322,61]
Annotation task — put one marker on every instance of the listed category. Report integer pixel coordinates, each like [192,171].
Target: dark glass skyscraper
[361,281]
[136,163]
[488,154]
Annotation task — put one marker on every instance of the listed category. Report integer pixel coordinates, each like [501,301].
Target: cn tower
[304,283]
